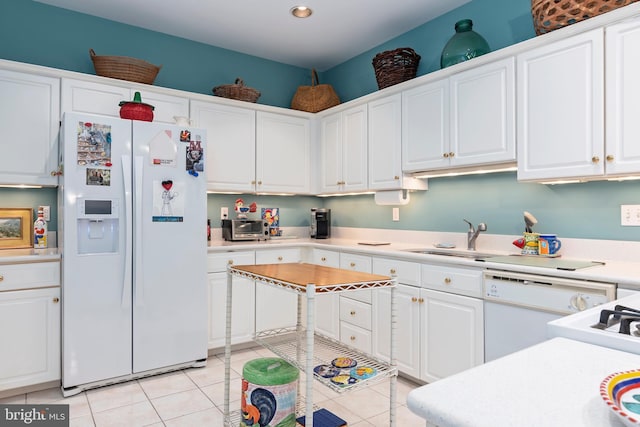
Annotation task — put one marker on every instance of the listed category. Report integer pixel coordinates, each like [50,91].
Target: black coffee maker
[320,223]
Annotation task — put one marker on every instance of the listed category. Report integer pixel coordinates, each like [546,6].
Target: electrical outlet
[396,214]
[224,213]
[46,212]
[630,215]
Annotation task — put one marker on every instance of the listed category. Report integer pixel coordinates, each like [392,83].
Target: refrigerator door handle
[126,279]
[137,257]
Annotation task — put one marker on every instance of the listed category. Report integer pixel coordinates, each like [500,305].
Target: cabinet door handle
[353,312]
[323,259]
[56,300]
[447,280]
[352,338]
[610,158]
[414,299]
[445,155]
[353,264]
[452,154]
[396,178]
[392,271]
[595,159]
[1,277]
[230,262]
[253,182]
[420,300]
[279,258]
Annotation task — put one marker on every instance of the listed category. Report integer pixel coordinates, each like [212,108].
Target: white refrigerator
[132,230]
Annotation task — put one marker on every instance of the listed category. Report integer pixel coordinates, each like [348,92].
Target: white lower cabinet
[276,308]
[243,320]
[30,335]
[327,304]
[452,331]
[442,331]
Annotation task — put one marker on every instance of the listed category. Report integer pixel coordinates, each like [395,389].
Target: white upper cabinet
[81,96]
[622,98]
[29,123]
[385,134]
[464,120]
[283,154]
[343,151]
[483,115]
[425,127]
[560,118]
[231,141]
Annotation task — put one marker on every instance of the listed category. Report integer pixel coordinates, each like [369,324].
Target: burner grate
[621,315]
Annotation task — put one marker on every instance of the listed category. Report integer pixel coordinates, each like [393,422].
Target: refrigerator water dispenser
[98,226]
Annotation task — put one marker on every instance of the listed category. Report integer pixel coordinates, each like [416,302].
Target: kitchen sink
[478,256]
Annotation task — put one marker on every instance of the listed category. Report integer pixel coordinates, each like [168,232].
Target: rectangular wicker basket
[124,68]
[549,15]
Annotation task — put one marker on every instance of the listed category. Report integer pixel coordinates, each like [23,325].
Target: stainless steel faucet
[472,235]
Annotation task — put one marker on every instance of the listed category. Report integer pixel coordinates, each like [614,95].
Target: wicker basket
[395,66]
[549,15]
[237,91]
[124,68]
[316,97]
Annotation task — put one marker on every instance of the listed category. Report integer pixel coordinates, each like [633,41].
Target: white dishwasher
[517,307]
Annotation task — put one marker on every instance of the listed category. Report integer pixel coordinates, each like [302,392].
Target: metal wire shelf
[290,345]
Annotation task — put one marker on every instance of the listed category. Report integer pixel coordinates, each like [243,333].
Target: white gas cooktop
[580,327]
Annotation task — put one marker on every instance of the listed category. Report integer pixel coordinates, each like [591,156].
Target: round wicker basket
[549,15]
[237,91]
[124,68]
[395,66]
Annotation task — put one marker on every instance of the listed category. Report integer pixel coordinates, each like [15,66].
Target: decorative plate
[344,362]
[344,380]
[326,371]
[363,372]
[621,392]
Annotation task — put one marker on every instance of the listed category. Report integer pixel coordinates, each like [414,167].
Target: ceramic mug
[531,241]
[548,244]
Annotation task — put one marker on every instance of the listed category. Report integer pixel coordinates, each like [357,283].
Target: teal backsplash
[587,210]
[32,198]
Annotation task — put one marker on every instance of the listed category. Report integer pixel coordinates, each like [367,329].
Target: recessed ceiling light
[301,12]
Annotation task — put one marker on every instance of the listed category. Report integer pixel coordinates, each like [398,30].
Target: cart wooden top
[297,276]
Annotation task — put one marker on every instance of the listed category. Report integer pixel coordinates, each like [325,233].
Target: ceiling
[337,30]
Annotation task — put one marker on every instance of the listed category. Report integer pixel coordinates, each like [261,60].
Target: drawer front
[355,262]
[360,263]
[326,258]
[407,272]
[452,279]
[355,312]
[355,337]
[275,256]
[29,275]
[217,262]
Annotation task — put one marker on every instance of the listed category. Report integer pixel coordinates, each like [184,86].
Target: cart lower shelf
[289,344]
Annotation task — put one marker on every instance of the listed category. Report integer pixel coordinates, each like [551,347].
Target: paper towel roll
[393,197]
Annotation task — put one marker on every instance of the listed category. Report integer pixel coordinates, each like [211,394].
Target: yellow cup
[531,244]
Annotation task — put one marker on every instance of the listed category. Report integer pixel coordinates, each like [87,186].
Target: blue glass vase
[464,45]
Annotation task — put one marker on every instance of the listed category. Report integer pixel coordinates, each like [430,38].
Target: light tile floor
[195,397]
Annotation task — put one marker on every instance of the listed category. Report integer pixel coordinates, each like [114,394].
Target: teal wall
[502,23]
[40,34]
[588,210]
[32,198]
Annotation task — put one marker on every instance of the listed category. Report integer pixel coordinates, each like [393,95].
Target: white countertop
[555,383]
[13,256]
[624,272]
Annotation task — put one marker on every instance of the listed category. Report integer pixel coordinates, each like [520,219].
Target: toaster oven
[244,229]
